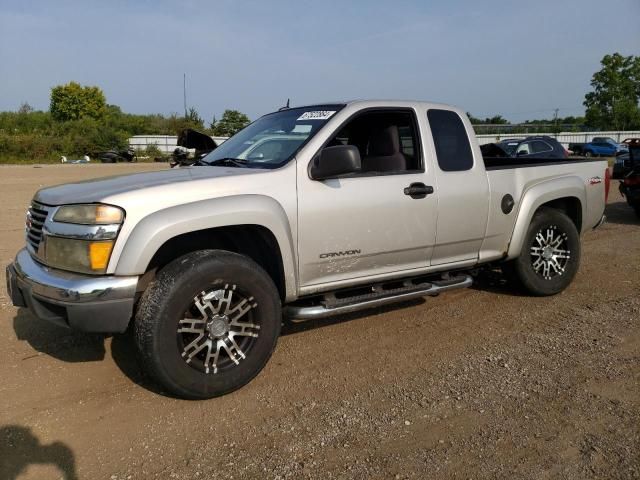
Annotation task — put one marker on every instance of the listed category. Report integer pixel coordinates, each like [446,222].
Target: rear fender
[535,197]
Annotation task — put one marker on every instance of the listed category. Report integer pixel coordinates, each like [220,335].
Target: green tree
[495,120]
[613,103]
[73,102]
[25,108]
[194,117]
[231,122]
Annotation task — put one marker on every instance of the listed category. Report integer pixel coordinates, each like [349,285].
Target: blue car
[597,149]
[620,147]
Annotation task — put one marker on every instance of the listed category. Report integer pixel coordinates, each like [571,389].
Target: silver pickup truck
[307,212]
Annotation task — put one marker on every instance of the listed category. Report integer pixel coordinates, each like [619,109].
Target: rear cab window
[453,150]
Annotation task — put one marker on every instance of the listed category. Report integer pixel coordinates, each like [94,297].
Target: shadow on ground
[73,346]
[494,281]
[621,213]
[19,448]
[58,342]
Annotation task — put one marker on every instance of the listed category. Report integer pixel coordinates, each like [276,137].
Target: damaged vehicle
[307,212]
[190,139]
[115,155]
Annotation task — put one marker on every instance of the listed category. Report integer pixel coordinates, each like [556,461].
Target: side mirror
[335,161]
[520,153]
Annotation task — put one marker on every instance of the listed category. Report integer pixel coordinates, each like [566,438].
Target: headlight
[78,255]
[80,238]
[89,214]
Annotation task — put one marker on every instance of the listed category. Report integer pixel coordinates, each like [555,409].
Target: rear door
[462,187]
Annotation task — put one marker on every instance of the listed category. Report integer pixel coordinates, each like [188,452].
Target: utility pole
[555,118]
[184,91]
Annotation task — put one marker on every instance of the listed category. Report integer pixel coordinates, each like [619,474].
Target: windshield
[272,140]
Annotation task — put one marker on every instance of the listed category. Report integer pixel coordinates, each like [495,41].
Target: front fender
[150,233]
[539,194]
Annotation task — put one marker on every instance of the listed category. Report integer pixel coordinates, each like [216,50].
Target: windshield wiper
[230,162]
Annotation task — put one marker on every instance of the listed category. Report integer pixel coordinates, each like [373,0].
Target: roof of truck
[370,103]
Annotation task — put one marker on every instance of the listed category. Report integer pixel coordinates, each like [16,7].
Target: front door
[366,224]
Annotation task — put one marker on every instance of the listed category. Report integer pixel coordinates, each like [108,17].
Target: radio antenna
[286,107]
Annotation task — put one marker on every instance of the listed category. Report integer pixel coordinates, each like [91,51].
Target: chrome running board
[361,298]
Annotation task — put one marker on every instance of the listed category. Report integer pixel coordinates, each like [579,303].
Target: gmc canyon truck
[307,212]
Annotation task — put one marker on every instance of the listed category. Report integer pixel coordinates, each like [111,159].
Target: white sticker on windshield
[317,115]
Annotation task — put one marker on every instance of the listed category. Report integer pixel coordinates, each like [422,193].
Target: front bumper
[81,302]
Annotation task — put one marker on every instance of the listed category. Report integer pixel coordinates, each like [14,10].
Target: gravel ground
[478,383]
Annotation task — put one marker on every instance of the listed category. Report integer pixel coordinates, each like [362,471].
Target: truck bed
[500,163]
[583,179]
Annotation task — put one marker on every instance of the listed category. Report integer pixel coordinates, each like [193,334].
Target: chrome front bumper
[82,302]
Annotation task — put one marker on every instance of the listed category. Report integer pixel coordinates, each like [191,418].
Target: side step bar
[380,294]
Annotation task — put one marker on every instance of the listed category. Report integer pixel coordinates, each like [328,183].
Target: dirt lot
[479,383]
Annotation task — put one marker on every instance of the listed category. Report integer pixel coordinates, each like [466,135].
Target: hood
[96,190]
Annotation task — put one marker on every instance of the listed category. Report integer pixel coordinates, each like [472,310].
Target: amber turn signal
[99,253]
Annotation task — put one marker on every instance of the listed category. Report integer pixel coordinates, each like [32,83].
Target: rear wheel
[588,153]
[550,254]
[208,324]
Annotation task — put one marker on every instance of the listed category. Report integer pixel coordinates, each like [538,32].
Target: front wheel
[550,254]
[207,324]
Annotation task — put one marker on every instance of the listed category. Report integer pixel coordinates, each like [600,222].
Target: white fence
[165,143]
[565,138]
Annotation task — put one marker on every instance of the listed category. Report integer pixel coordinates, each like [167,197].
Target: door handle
[418,190]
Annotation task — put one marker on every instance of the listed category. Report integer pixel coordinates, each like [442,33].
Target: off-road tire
[521,271]
[161,310]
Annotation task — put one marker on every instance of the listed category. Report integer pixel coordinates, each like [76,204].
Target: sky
[515,58]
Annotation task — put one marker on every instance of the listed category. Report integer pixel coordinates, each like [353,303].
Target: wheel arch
[566,194]
[253,225]
[254,241]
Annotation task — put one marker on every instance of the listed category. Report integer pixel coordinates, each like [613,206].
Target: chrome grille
[36,216]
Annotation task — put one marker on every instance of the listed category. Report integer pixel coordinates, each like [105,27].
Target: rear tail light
[607,183]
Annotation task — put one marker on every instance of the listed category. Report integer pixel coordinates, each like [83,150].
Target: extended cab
[307,212]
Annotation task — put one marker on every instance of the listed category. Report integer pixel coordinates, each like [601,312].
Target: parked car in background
[621,166]
[117,155]
[620,147]
[627,169]
[533,147]
[200,143]
[598,147]
[509,145]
